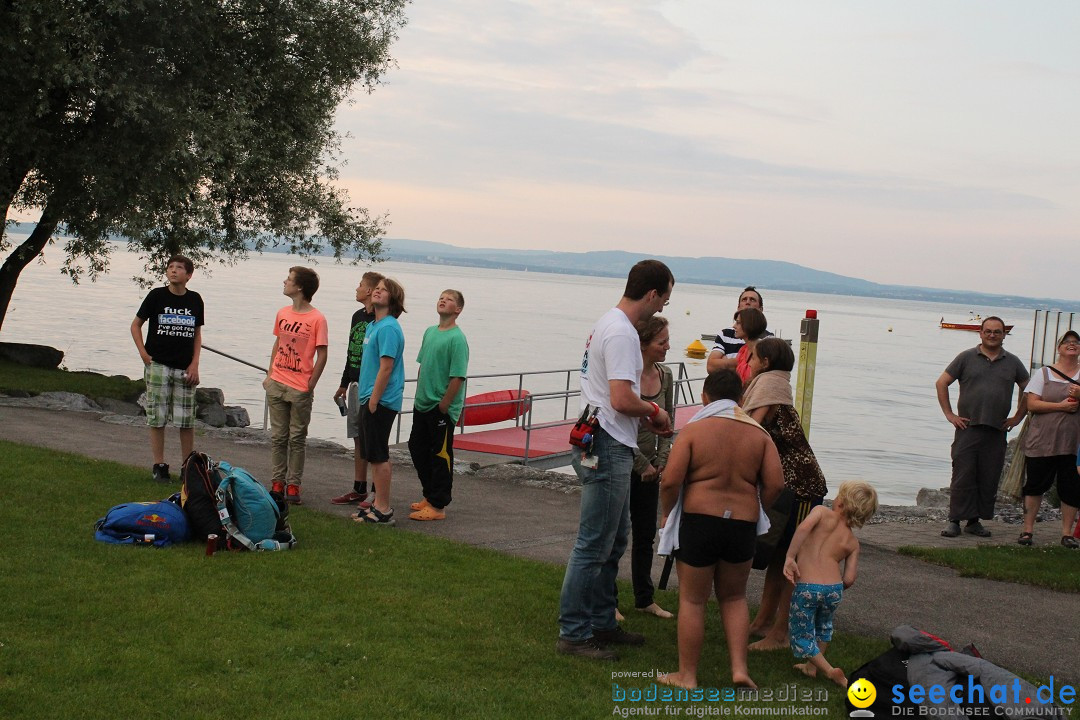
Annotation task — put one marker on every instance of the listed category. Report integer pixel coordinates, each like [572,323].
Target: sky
[922,142]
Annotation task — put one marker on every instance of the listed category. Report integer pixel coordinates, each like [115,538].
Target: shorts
[811,616]
[1043,471]
[352,412]
[375,433]
[168,397]
[704,540]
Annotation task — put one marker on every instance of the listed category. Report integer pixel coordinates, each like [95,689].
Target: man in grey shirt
[987,374]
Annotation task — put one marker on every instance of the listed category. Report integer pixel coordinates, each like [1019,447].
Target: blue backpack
[249,513]
[145,523]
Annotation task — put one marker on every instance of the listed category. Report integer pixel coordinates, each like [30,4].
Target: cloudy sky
[923,142]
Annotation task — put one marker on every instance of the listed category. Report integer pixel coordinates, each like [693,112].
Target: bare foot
[806,669]
[755,632]
[743,680]
[837,676]
[677,680]
[768,643]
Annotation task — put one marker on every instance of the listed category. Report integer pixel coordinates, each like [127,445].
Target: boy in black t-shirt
[347,388]
[171,359]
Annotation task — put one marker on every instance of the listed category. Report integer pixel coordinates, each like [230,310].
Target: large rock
[236,416]
[928,498]
[119,407]
[213,415]
[210,406]
[39,356]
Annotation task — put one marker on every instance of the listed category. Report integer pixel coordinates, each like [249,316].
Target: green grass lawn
[1052,567]
[23,378]
[356,622]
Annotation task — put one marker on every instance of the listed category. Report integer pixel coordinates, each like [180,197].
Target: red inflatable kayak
[506,405]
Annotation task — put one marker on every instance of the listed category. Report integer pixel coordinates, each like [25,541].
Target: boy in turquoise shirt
[444,363]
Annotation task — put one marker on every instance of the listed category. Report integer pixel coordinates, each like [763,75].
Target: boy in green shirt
[444,363]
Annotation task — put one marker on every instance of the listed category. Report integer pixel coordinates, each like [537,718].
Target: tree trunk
[22,255]
[13,170]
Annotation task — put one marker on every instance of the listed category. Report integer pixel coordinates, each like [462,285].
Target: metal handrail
[260,368]
[684,397]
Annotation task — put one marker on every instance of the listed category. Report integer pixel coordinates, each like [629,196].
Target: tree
[196,126]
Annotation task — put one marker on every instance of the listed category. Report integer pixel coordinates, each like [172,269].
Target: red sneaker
[349,498]
[278,487]
[292,494]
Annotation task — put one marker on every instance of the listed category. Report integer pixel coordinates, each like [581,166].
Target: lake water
[875,415]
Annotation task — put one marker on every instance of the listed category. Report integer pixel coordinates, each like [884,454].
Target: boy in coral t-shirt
[296,364]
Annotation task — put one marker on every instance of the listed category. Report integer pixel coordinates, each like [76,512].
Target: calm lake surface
[875,415]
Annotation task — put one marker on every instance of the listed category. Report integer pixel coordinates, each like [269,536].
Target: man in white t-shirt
[610,376]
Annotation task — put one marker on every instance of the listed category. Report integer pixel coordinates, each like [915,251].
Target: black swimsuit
[706,539]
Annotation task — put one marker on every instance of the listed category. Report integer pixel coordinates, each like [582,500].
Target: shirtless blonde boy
[821,543]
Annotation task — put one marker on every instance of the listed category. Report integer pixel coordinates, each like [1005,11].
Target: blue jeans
[588,592]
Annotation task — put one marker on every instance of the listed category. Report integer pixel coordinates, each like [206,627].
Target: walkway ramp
[543,446]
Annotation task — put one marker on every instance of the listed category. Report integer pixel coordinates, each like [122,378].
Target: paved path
[1020,627]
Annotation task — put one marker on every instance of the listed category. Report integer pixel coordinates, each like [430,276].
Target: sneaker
[161,473]
[618,636]
[292,494]
[976,528]
[588,648]
[278,487]
[349,498]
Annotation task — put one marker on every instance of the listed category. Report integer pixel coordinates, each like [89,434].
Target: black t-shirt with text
[170,339]
[355,350]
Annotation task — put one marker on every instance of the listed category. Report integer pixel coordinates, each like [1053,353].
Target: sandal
[374,517]
[1025,538]
[1070,542]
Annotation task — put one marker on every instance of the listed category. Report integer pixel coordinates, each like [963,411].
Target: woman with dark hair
[750,326]
[768,400]
[1052,438]
[657,385]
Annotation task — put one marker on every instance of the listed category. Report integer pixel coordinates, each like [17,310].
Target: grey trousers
[978,455]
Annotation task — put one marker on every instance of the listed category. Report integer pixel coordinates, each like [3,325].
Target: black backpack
[198,497]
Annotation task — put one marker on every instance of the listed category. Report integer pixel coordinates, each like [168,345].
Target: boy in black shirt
[171,359]
[347,389]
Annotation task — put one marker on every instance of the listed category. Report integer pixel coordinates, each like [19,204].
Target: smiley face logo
[862,693]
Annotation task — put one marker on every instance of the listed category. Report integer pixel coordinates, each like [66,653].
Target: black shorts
[374,434]
[706,539]
[1043,471]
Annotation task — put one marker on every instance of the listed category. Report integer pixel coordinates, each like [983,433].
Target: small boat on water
[973,324]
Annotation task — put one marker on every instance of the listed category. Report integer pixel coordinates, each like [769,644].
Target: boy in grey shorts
[170,357]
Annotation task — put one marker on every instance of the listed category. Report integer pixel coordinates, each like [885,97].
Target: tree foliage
[197,126]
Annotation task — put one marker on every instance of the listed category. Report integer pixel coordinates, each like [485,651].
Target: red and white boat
[974,324]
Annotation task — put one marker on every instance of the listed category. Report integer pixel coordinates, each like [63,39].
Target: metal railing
[529,420]
[260,368]
[1044,342]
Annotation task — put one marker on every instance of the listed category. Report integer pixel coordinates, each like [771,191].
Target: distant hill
[776,274]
